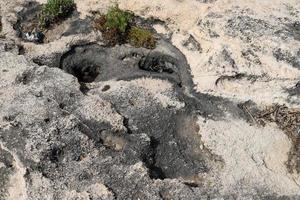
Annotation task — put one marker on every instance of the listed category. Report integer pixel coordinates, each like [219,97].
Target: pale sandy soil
[253,156]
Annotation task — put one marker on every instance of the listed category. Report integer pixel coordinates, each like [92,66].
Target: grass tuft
[55,10]
[118,19]
[117,28]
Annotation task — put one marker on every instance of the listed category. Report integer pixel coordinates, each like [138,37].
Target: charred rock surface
[169,152]
[117,136]
[286,56]
[73,143]
[124,63]
[96,63]
[123,122]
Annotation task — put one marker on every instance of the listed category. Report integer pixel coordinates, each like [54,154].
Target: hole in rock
[83,88]
[55,154]
[105,88]
[85,70]
[155,172]
[93,62]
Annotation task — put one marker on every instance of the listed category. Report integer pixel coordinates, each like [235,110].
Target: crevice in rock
[83,88]
[149,159]
[126,124]
[237,76]
[56,154]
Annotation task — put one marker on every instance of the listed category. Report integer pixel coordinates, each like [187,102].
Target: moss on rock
[140,37]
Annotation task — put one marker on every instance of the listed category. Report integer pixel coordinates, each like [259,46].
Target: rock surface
[80,120]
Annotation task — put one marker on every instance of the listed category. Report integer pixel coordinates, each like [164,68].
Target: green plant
[116,29]
[55,10]
[118,19]
[111,36]
[140,37]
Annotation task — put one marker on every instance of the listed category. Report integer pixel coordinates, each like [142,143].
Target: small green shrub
[55,10]
[117,28]
[118,19]
[140,37]
[111,36]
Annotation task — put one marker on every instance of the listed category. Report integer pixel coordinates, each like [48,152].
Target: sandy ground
[253,156]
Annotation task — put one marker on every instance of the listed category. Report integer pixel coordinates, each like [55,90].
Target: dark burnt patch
[29,29]
[250,109]
[97,63]
[149,158]
[192,44]
[294,93]
[166,140]
[286,56]
[27,26]
[5,171]
[248,28]
[228,58]
[55,154]
[94,63]
[83,88]
[79,26]
[25,77]
[238,76]
[290,30]
[6,158]
[157,62]
[85,71]
[173,151]
[251,56]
